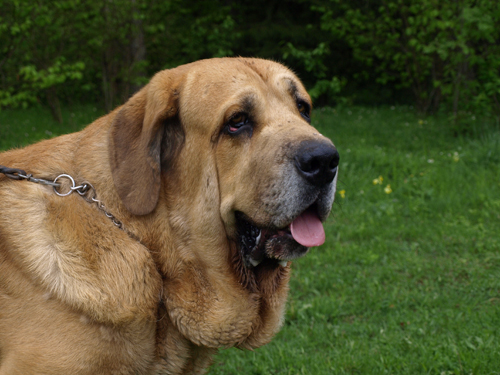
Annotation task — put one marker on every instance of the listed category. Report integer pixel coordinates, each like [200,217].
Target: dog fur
[80,296]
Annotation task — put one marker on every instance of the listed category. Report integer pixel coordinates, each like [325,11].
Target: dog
[165,229]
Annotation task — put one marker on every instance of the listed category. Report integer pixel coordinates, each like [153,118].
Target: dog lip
[258,243]
[264,249]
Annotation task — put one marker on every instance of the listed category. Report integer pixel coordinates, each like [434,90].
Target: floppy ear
[136,142]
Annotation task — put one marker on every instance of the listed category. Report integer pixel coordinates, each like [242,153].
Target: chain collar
[86,190]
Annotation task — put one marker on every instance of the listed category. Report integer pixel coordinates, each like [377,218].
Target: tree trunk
[137,50]
[54,104]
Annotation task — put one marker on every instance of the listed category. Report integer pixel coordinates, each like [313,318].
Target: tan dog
[219,181]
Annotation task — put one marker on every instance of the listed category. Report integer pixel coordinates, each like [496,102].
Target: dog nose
[317,162]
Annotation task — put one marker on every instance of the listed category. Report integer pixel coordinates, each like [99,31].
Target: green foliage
[102,46]
[439,55]
[34,81]
[312,61]
[210,35]
[330,88]
[38,57]
[442,50]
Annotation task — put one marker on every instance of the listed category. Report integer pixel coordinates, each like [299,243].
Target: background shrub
[436,55]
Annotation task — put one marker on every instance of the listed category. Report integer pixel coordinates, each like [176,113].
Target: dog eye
[236,122]
[304,110]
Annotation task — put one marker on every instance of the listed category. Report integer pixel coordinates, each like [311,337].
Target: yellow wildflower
[378,181]
[456,157]
[342,194]
[420,122]
[388,189]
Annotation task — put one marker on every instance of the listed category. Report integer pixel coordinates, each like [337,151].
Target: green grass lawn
[25,126]
[408,281]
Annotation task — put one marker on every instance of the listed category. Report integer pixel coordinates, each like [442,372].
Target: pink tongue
[308,230]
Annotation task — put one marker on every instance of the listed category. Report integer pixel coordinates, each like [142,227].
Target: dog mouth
[279,245]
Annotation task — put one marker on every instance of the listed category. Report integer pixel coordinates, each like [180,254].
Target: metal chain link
[19,174]
[86,190]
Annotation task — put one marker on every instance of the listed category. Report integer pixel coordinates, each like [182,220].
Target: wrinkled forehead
[227,78]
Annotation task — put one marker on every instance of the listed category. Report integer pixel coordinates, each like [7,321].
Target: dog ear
[136,141]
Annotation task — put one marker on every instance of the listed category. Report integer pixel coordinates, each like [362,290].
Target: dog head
[236,133]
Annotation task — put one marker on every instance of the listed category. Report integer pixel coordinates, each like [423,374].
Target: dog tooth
[284,263]
[255,262]
[257,240]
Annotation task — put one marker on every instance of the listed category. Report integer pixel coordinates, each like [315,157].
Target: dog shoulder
[73,252]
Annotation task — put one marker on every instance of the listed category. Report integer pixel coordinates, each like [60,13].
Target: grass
[22,127]
[408,281]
